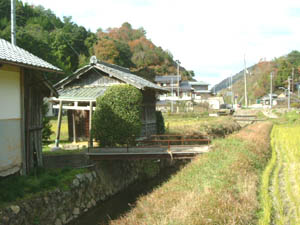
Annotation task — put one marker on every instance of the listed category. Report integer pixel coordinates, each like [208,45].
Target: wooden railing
[182,139]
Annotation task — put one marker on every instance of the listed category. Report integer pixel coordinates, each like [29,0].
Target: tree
[106,50]
[117,118]
[284,70]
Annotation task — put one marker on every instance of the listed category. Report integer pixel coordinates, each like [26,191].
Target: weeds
[195,124]
[219,187]
[17,187]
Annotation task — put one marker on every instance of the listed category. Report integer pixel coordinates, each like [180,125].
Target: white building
[22,88]
[182,90]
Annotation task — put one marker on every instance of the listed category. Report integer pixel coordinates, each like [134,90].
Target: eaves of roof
[113,71]
[14,55]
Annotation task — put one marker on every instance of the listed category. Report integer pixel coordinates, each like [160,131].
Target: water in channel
[121,203]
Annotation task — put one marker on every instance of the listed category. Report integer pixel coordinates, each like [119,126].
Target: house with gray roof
[23,85]
[79,91]
[182,90]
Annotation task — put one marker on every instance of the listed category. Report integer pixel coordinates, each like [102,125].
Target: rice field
[280,188]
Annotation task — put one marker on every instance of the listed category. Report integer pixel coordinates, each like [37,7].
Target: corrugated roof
[167,78]
[13,54]
[81,93]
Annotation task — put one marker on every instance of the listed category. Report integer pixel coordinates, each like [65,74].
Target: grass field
[64,139]
[280,191]
[219,187]
[196,124]
[64,136]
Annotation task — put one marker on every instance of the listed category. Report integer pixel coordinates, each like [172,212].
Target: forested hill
[69,46]
[258,76]
[226,82]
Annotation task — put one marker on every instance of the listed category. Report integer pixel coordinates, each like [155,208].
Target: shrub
[160,123]
[295,105]
[46,132]
[117,118]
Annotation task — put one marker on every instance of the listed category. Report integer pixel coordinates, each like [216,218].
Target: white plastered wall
[10,120]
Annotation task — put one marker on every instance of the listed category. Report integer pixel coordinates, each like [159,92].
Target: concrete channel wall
[57,207]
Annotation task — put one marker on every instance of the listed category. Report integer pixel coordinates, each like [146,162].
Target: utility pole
[289,93]
[271,87]
[13,22]
[231,91]
[171,95]
[293,70]
[178,63]
[245,81]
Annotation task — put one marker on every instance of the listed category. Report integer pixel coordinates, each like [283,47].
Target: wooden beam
[74,107]
[23,130]
[58,125]
[54,99]
[90,125]
[74,127]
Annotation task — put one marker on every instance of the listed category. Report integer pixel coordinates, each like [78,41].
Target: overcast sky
[207,36]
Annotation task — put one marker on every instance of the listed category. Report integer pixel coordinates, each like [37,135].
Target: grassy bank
[219,187]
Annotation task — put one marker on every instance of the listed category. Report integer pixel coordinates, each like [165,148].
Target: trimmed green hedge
[160,123]
[117,118]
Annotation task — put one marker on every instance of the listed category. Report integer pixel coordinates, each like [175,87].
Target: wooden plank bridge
[158,147]
[246,118]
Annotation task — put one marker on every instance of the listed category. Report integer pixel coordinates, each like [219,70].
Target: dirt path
[269,114]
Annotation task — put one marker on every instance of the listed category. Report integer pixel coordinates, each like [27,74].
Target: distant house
[182,90]
[168,81]
[200,90]
[78,94]
[22,89]
[265,100]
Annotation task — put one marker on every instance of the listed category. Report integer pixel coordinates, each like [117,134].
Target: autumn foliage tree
[130,48]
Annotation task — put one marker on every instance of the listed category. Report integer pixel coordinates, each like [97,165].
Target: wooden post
[58,125]
[74,126]
[90,125]
[23,127]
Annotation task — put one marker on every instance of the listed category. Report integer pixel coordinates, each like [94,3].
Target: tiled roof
[167,78]
[185,86]
[81,93]
[118,72]
[198,83]
[127,77]
[13,54]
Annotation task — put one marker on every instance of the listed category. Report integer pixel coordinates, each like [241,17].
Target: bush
[160,123]
[117,118]
[295,105]
[46,132]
